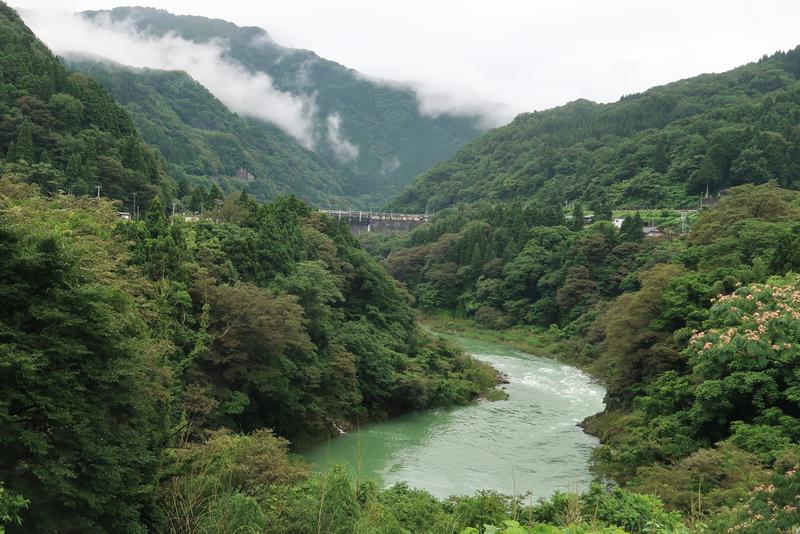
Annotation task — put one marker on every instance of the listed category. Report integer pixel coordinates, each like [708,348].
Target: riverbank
[542,342]
[530,442]
[536,341]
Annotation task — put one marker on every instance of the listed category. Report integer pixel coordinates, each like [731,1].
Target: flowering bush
[745,363]
[771,508]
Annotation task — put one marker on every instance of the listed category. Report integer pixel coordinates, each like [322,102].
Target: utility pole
[218,202]
[134,206]
[98,187]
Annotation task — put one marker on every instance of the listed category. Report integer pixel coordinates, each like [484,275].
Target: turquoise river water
[530,442]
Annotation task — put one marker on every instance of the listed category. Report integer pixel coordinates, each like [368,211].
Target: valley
[527,443]
[249,289]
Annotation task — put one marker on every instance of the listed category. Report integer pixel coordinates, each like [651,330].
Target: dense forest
[125,343]
[395,141]
[658,149]
[695,338]
[128,340]
[62,130]
[203,143]
[155,369]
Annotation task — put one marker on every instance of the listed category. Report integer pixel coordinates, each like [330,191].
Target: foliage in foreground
[211,488]
[127,340]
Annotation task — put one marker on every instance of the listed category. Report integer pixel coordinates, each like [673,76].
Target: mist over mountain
[659,148]
[373,134]
[203,142]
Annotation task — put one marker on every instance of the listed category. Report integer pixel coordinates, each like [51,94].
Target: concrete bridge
[376,221]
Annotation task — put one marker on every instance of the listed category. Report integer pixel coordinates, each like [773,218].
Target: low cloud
[244,92]
[303,75]
[433,101]
[390,166]
[344,150]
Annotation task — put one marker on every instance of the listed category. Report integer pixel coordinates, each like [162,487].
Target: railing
[367,217]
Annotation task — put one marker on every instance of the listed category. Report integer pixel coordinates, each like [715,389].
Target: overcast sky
[508,56]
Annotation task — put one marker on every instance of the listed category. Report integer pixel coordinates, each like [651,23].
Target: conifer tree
[577,217]
[631,229]
[22,149]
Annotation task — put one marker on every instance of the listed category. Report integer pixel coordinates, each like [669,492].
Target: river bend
[530,442]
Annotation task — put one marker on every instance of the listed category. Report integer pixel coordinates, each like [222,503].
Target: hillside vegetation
[62,130]
[696,338]
[154,369]
[395,141]
[660,148]
[202,142]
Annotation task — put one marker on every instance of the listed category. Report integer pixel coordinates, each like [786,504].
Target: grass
[533,340]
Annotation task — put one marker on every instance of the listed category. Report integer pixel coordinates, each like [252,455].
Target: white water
[530,442]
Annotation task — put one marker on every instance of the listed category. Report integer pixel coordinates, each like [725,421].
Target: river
[529,442]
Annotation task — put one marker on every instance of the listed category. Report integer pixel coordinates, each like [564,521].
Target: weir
[361,222]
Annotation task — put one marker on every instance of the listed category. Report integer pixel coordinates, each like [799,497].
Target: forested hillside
[129,339]
[124,344]
[660,148]
[154,369]
[202,142]
[697,339]
[395,141]
[62,130]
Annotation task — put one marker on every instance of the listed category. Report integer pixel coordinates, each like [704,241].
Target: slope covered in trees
[122,343]
[202,141]
[62,130]
[696,338]
[128,339]
[395,141]
[143,362]
[660,148]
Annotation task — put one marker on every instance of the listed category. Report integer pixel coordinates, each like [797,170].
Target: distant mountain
[62,131]
[662,147]
[202,141]
[395,142]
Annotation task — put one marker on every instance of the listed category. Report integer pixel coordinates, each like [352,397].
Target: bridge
[376,221]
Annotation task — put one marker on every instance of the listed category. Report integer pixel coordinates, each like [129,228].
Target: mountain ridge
[646,146]
[392,140]
[204,142]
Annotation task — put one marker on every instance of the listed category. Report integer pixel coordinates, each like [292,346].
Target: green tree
[602,209]
[67,111]
[577,217]
[22,149]
[82,411]
[631,229]
[215,194]
[706,177]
